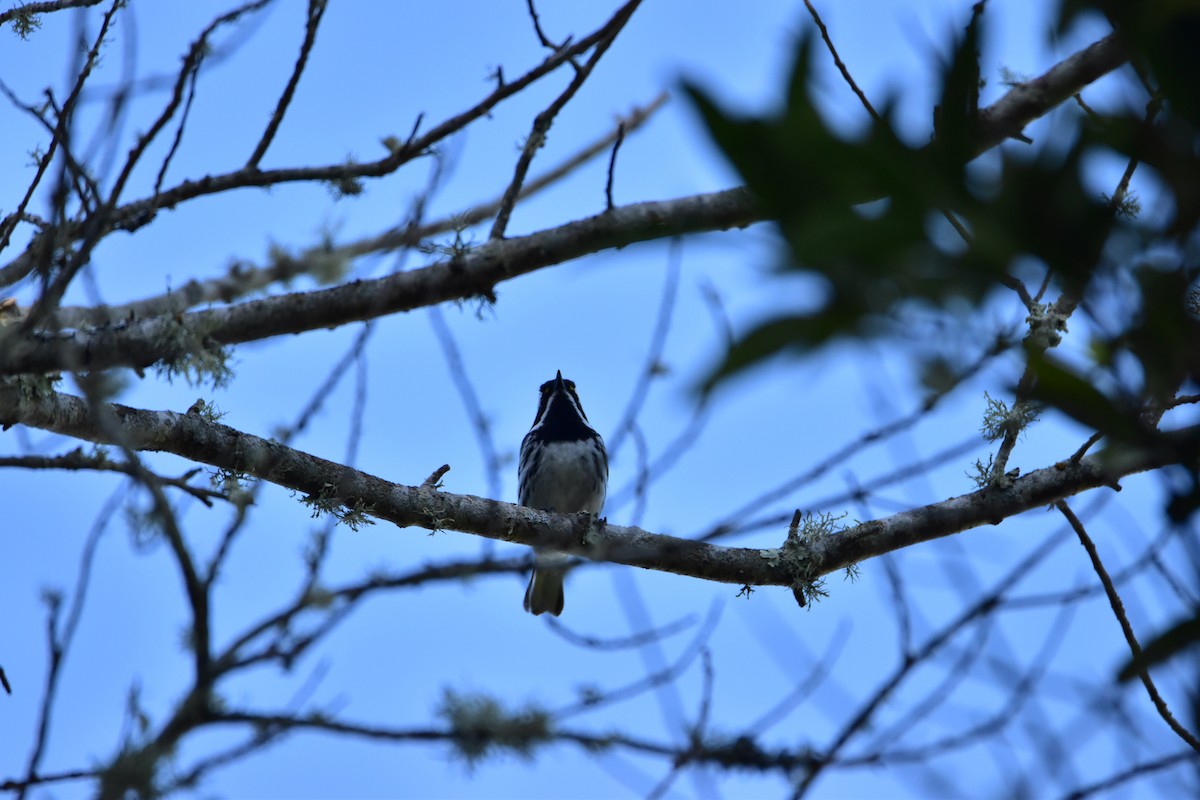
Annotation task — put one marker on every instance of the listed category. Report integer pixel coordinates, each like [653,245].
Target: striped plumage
[563,468]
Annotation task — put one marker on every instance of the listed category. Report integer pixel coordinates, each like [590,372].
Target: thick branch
[193,437]
[477,272]
[244,278]
[472,274]
[135,214]
[1027,101]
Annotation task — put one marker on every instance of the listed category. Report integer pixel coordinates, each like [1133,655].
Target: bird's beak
[558,384]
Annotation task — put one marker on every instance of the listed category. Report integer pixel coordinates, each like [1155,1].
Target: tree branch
[1027,101]
[243,278]
[27,10]
[543,121]
[472,274]
[136,214]
[316,10]
[78,460]
[1114,599]
[793,564]
[140,344]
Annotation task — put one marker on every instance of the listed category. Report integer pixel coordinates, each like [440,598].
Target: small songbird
[563,468]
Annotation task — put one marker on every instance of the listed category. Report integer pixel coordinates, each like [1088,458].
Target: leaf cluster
[868,215]
[860,213]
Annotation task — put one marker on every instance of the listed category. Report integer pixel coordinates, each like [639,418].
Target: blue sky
[376,66]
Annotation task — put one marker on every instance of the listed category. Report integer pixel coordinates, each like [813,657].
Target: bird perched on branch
[563,468]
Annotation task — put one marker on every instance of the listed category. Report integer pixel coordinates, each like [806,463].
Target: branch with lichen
[138,343]
[343,177]
[473,273]
[800,562]
[328,261]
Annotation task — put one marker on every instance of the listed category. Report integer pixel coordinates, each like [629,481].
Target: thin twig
[541,35]
[61,639]
[1087,445]
[661,674]
[543,121]
[631,642]
[1114,599]
[316,10]
[868,439]
[77,460]
[950,217]
[43,778]
[863,719]
[697,733]
[135,214]
[61,133]
[480,424]
[817,675]
[837,60]
[612,167]
[1063,308]
[243,279]
[1136,771]
[99,223]
[652,366]
[435,477]
[192,79]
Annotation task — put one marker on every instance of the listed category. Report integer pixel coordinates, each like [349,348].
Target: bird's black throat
[562,422]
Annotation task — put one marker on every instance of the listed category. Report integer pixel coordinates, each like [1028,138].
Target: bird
[563,468]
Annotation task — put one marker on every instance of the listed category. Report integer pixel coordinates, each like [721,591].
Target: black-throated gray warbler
[563,468]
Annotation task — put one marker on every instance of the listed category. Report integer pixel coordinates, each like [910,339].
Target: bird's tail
[545,592]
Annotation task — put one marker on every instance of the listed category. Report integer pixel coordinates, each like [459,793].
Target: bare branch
[618,228]
[44,778]
[480,423]
[97,223]
[1027,101]
[60,638]
[1137,771]
[612,168]
[243,278]
[316,10]
[60,139]
[543,121]
[1118,608]
[837,60]
[863,718]
[653,366]
[134,215]
[77,460]
[630,642]
[537,28]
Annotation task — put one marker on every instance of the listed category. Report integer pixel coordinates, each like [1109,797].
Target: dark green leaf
[1167,645]
[1059,386]
[787,334]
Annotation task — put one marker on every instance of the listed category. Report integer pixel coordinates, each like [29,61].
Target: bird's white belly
[568,481]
